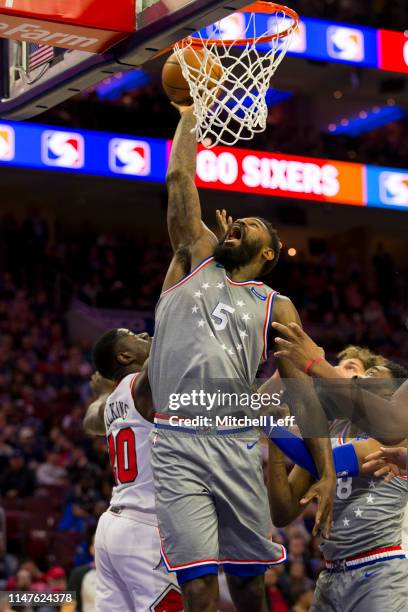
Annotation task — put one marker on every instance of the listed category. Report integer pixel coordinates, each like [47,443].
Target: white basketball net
[230,104]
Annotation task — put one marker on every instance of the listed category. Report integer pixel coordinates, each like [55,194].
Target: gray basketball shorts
[381,587]
[212,504]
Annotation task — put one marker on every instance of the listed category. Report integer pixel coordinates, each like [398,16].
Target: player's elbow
[279,520]
[280,516]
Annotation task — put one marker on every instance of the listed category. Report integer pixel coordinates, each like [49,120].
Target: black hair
[104,354]
[274,243]
[398,372]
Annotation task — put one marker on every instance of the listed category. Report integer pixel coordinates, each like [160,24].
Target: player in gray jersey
[211,333]
[366,567]
[384,418]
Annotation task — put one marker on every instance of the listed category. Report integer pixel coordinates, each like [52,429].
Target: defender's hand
[387,462]
[323,492]
[101,385]
[224,222]
[294,344]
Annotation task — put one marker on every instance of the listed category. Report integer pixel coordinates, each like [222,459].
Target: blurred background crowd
[379,13]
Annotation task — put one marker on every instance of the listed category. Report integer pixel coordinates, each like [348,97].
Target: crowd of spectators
[53,477]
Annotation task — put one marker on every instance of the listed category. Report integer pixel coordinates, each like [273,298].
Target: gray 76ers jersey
[210,337]
[368,511]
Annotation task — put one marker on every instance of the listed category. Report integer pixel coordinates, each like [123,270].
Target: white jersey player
[130,576]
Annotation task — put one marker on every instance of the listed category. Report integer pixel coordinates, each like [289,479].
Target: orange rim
[256,7]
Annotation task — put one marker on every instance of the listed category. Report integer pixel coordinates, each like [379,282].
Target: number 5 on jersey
[219,313]
[122,455]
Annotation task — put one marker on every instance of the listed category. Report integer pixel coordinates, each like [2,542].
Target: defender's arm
[310,418]
[386,419]
[388,462]
[285,491]
[93,422]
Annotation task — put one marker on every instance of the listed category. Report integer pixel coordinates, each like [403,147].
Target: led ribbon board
[39,147]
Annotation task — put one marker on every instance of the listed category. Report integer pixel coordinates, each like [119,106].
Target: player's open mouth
[234,235]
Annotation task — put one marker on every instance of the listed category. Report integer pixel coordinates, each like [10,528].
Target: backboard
[35,76]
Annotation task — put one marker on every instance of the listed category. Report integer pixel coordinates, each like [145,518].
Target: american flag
[38,55]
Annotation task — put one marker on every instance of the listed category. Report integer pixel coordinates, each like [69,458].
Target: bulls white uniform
[127,543]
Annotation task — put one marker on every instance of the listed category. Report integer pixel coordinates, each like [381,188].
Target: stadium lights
[367,120]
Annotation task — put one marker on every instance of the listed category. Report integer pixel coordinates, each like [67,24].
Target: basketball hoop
[232,106]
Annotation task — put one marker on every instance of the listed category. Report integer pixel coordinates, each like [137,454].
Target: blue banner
[84,152]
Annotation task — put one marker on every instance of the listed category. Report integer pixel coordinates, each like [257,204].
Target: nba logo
[298,41]
[63,149]
[230,28]
[345,43]
[129,157]
[7,143]
[394,188]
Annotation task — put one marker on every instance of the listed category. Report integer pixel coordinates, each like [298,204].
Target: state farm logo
[345,43]
[13,27]
[230,28]
[7,143]
[62,149]
[394,188]
[129,157]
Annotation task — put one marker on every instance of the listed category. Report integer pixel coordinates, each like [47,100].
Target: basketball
[175,85]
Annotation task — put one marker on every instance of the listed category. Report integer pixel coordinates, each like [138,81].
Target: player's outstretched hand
[224,222]
[323,492]
[387,462]
[294,344]
[101,385]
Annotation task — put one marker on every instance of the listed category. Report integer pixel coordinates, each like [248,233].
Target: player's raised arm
[186,228]
[310,418]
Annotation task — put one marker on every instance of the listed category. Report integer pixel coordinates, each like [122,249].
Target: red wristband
[311,363]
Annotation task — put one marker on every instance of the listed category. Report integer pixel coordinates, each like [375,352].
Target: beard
[234,257]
